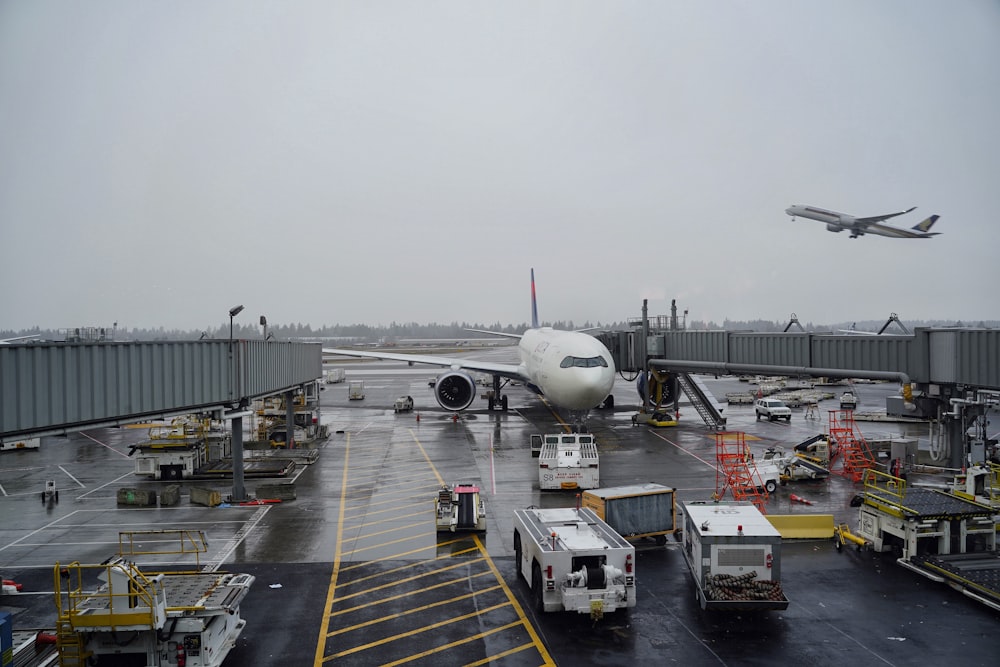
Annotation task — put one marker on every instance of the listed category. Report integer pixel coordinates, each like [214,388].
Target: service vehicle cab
[773,409]
[403,404]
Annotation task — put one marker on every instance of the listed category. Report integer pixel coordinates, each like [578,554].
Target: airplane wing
[503,370]
[895,232]
[882,218]
[7,341]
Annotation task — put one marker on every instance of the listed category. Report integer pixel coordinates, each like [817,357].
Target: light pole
[233,312]
[239,494]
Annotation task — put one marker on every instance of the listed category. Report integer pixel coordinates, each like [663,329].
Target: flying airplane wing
[919,231]
[882,218]
[503,370]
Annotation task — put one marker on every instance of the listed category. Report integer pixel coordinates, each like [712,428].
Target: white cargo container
[334,375]
[568,461]
[573,561]
[734,554]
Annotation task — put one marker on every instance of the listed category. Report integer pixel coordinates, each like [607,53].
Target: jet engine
[455,390]
[834,228]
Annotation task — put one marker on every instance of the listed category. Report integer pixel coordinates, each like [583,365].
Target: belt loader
[573,561]
[171,619]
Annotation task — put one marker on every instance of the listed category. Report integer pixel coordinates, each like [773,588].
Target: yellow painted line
[426,458]
[364,523]
[517,606]
[396,556]
[418,631]
[380,545]
[393,598]
[401,568]
[420,495]
[422,575]
[511,602]
[497,656]
[325,623]
[428,509]
[366,535]
[453,644]
[415,610]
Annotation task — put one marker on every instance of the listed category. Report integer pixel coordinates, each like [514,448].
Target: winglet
[534,302]
[926,224]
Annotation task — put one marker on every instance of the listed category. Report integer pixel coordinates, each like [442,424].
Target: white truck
[573,561]
[568,461]
[356,390]
[734,554]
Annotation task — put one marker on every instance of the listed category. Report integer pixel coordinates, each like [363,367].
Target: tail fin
[534,303]
[925,226]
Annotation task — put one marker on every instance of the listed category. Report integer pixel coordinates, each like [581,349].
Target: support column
[290,419]
[239,493]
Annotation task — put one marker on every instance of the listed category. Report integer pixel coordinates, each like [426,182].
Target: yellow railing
[105,607]
[163,542]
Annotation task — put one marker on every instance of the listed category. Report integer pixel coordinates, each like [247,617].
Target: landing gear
[495,399]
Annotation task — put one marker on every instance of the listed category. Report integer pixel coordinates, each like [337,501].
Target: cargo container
[636,511]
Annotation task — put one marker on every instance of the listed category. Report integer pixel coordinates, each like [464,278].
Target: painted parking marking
[384,581]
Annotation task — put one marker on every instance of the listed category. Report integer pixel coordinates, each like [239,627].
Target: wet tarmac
[352,572]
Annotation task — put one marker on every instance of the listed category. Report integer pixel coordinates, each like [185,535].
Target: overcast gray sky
[370,162]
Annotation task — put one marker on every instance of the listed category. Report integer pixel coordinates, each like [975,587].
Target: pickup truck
[773,409]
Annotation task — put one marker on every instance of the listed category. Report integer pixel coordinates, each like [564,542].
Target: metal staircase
[734,472]
[848,444]
[702,401]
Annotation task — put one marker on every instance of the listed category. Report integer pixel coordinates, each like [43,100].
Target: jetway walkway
[57,388]
[948,375]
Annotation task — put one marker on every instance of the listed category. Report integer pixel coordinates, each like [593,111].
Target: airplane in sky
[571,369]
[838,222]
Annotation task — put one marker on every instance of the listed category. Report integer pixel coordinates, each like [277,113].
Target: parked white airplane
[573,370]
[838,222]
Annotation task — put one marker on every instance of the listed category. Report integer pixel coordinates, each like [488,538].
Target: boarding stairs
[849,445]
[702,401]
[734,471]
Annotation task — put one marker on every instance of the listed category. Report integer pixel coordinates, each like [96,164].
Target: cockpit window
[584,362]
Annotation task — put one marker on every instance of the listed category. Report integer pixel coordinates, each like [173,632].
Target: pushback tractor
[573,561]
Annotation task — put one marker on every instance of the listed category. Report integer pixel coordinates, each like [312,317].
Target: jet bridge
[57,388]
[949,375]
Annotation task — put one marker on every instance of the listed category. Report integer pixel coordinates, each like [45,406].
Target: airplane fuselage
[821,214]
[572,370]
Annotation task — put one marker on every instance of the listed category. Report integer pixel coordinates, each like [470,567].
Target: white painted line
[82,485]
[235,540]
[103,486]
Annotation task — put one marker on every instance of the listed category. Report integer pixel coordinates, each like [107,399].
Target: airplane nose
[595,385]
